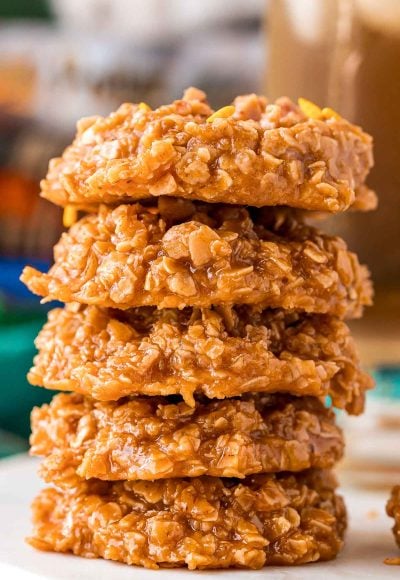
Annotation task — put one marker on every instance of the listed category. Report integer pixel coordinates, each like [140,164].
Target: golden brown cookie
[154,438]
[199,523]
[252,153]
[393,510]
[137,256]
[219,353]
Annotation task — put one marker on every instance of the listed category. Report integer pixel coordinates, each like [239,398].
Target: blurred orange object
[18,194]
[17,85]
[29,225]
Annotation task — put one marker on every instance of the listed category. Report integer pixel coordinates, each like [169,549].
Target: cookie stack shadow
[203,341]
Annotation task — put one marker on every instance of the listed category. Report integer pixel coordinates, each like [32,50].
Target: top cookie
[252,153]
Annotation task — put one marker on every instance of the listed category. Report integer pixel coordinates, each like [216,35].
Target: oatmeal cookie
[200,523]
[137,256]
[154,438]
[219,353]
[252,153]
[393,510]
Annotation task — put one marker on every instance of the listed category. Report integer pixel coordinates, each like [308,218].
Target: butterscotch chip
[253,153]
[136,256]
[202,522]
[393,510]
[219,353]
[153,438]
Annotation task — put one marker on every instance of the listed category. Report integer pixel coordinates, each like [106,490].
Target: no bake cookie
[153,438]
[254,152]
[199,523]
[137,256]
[223,352]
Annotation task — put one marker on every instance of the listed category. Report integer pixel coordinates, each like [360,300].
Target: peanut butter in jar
[346,54]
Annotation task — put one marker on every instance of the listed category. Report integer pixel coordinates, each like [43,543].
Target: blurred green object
[18,329]
[24,9]
[387,379]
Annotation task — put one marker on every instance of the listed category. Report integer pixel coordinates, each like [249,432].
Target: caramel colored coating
[393,511]
[134,256]
[154,438]
[218,353]
[199,523]
[263,154]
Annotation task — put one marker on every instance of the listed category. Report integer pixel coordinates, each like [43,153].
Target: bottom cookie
[393,510]
[203,522]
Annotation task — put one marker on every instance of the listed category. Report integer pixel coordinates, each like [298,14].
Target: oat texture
[219,353]
[199,523]
[153,438]
[202,348]
[136,256]
[262,154]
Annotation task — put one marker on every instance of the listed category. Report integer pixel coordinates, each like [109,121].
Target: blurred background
[64,59]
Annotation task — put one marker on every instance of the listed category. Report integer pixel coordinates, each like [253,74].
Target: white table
[369,541]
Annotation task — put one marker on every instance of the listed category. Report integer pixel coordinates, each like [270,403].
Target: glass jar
[345,54]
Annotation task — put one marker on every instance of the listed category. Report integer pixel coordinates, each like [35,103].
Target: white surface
[369,541]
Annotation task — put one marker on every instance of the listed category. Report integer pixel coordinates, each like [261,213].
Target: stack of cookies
[203,338]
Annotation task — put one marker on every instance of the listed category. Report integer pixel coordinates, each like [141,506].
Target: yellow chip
[327,112]
[223,113]
[310,109]
[144,107]
[70,216]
